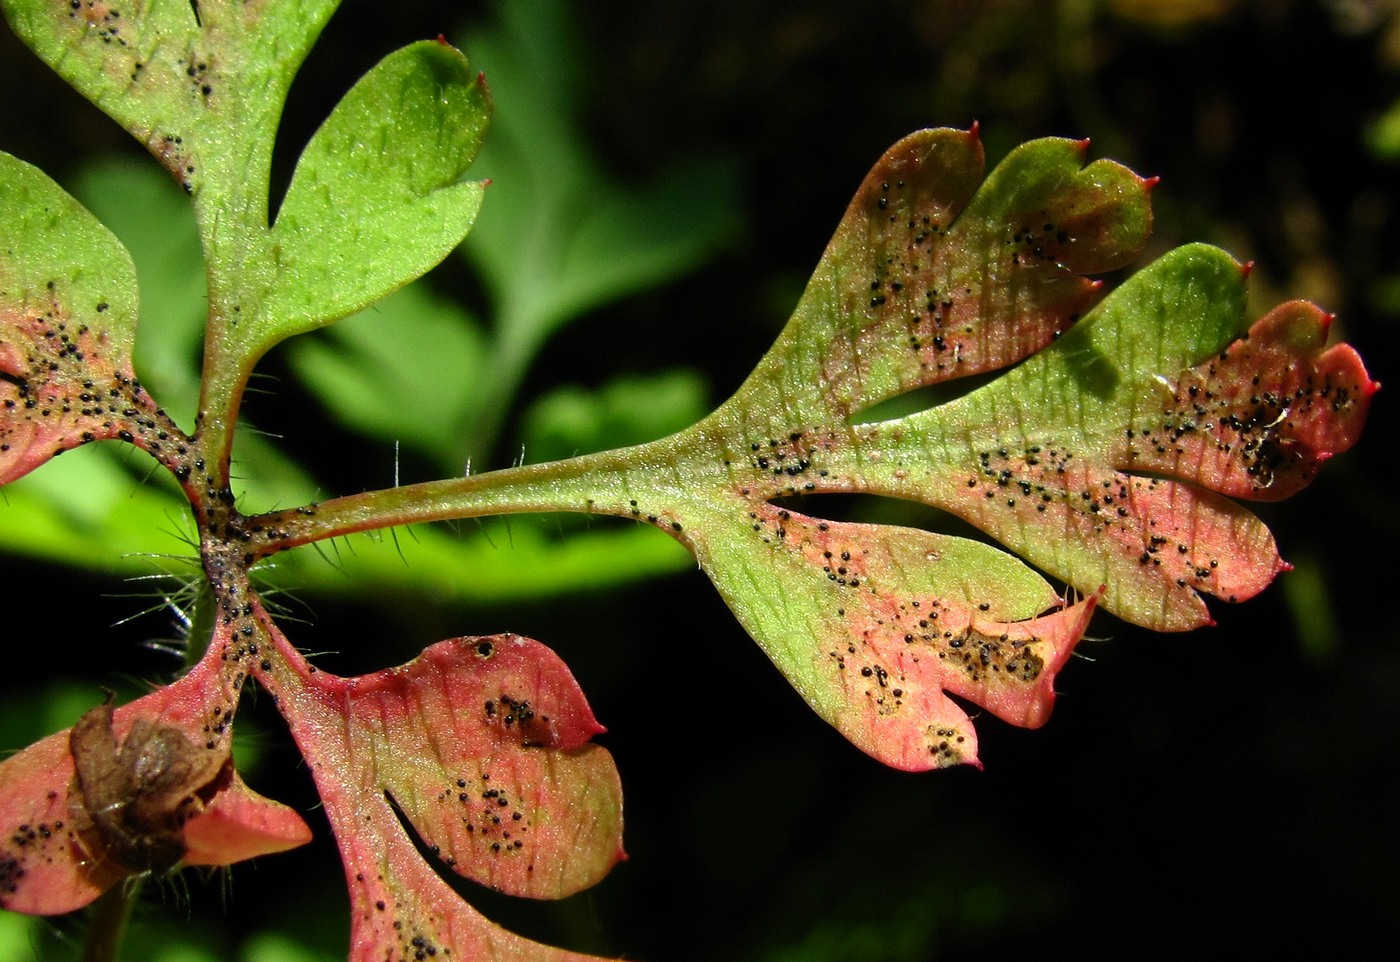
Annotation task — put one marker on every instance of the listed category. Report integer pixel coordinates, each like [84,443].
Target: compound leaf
[1103,457]
[562,235]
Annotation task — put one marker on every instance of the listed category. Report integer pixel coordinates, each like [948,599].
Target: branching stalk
[598,483]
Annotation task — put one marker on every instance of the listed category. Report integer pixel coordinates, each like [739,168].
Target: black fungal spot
[11,871]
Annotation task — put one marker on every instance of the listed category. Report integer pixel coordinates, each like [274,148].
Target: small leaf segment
[482,745]
[376,198]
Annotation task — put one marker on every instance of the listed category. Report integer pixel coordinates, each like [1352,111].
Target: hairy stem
[603,483]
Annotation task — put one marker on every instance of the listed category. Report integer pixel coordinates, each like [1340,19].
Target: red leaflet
[482,746]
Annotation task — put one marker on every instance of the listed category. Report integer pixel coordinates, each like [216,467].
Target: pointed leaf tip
[935,274]
[877,626]
[898,688]
[1258,419]
[238,824]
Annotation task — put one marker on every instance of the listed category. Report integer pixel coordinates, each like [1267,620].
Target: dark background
[1231,789]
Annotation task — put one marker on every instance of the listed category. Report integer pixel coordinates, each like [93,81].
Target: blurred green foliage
[26,938]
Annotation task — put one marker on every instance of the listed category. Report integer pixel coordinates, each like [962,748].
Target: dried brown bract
[130,800]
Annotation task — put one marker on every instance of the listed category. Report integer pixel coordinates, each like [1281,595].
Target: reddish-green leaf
[930,278]
[874,623]
[238,824]
[1076,459]
[1258,420]
[67,322]
[481,745]
[1102,457]
[401,909]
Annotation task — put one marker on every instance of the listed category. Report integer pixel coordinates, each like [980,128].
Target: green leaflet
[927,281]
[1029,458]
[376,199]
[1076,459]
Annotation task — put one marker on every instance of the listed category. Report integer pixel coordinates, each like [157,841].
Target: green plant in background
[1106,455]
